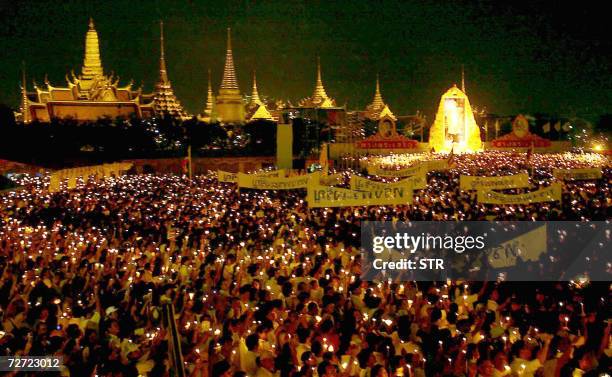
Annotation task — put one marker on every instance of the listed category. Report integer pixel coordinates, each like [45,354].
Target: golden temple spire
[164,99]
[208,109]
[163,73]
[255,100]
[25,105]
[229,73]
[375,109]
[377,102]
[319,94]
[92,65]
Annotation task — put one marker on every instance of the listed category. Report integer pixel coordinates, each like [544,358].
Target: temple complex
[88,96]
[319,98]
[229,103]
[164,99]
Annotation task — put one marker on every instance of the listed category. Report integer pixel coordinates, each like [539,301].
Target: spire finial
[163,73]
[25,108]
[463,80]
[229,38]
[377,85]
[23,74]
[91,23]
[161,37]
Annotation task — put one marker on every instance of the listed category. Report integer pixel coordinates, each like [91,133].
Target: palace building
[88,96]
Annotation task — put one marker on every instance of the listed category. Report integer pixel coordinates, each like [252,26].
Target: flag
[546,128]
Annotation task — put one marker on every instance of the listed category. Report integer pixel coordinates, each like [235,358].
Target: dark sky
[532,57]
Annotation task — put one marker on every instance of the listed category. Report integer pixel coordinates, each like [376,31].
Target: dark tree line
[65,142]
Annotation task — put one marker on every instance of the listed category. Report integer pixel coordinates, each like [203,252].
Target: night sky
[534,57]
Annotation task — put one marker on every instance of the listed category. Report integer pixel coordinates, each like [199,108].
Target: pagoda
[88,96]
[164,99]
[209,114]
[256,109]
[319,98]
[230,107]
[378,108]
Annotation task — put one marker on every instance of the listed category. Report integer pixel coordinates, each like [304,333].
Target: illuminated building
[89,96]
[256,109]
[455,126]
[164,100]
[229,103]
[319,98]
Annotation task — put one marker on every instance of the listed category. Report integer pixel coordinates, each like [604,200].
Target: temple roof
[386,112]
[378,108]
[256,108]
[259,111]
[319,98]
[164,99]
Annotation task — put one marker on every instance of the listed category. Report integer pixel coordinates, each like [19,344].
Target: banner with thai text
[548,194]
[417,182]
[273,183]
[421,167]
[577,174]
[467,182]
[327,196]
[224,176]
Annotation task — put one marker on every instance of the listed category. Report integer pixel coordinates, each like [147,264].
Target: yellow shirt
[525,368]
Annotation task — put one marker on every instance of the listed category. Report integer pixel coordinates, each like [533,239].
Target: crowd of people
[262,285]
